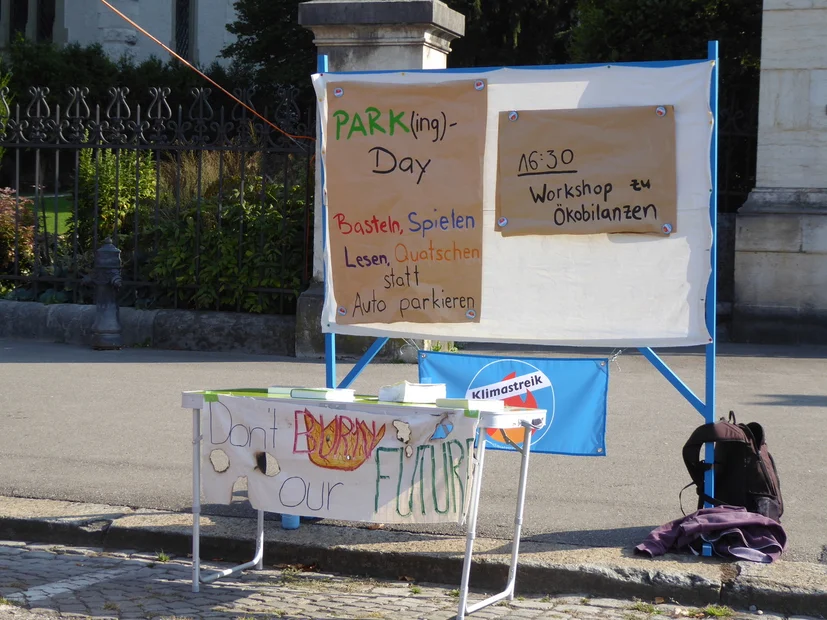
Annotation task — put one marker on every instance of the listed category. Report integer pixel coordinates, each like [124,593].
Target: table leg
[472,526]
[518,518]
[258,558]
[196,499]
[260,540]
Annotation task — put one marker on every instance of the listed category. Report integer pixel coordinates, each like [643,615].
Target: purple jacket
[731,530]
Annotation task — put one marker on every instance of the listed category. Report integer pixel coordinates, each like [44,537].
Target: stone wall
[161,329]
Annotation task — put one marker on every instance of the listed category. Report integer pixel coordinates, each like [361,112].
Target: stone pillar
[5,23]
[367,35]
[31,24]
[781,231]
[60,34]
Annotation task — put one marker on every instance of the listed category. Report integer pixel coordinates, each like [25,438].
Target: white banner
[381,466]
[597,290]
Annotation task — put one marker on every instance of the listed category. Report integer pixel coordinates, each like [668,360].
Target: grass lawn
[65,208]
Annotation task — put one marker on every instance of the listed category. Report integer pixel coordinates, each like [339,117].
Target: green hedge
[107,194]
[62,67]
[210,254]
[16,236]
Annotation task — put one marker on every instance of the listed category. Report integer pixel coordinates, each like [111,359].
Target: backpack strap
[707,498]
[708,433]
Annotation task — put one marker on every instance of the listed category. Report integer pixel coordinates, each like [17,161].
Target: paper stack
[340,394]
[407,392]
[471,404]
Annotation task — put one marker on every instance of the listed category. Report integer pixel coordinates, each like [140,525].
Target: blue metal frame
[475,70]
[366,359]
[329,339]
[705,407]
[712,287]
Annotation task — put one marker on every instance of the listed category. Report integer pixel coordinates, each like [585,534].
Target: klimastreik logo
[518,384]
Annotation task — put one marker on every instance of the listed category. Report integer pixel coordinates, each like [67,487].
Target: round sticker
[533,389]
[503,221]
[660,111]
[338,92]
[342,311]
[666,228]
[513,116]
[479,84]
[471,314]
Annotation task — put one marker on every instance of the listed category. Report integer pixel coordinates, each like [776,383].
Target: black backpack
[745,472]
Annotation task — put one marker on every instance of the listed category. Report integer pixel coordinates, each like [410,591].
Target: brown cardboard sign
[403,165]
[587,171]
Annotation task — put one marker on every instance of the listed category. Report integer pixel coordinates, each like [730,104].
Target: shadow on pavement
[30,352]
[792,400]
[626,537]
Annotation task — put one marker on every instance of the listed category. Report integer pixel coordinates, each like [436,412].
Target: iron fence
[210,206]
[737,146]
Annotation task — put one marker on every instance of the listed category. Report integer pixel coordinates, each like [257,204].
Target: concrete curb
[783,587]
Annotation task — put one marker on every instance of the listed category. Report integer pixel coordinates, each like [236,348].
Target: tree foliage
[271,47]
[639,30]
[515,32]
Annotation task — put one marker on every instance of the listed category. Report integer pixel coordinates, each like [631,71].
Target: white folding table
[510,418]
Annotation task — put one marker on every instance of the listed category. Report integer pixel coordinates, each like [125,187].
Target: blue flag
[572,391]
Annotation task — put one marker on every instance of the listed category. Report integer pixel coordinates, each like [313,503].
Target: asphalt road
[107,427]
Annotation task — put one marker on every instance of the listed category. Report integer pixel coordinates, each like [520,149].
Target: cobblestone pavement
[47,581]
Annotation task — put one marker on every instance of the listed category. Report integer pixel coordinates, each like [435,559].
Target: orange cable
[203,75]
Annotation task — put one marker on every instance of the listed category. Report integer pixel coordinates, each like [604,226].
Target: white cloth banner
[618,290]
[345,464]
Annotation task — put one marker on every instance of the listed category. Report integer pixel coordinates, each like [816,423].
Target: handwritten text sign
[404,200]
[584,171]
[352,465]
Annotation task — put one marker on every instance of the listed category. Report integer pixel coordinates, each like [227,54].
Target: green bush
[254,244]
[60,67]
[107,190]
[16,232]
